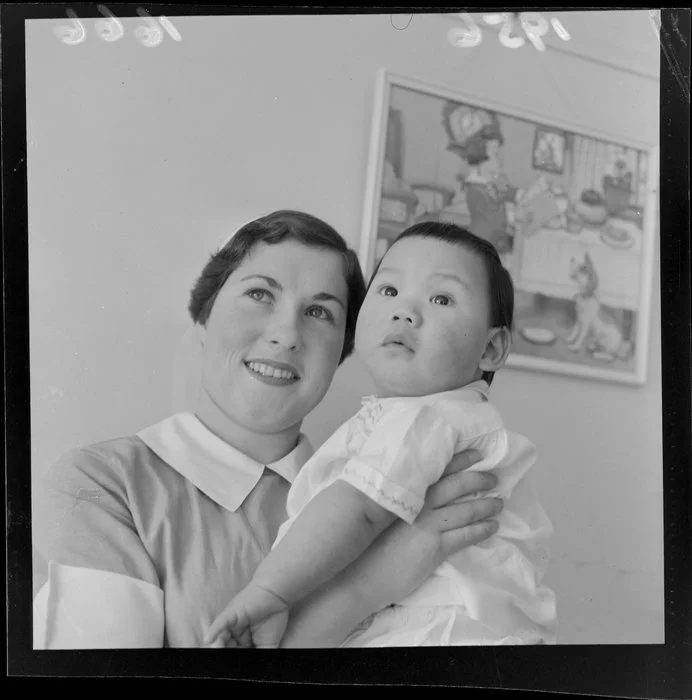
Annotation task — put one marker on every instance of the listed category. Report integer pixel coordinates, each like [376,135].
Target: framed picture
[549,150]
[571,212]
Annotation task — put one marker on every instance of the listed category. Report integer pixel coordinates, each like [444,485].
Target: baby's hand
[256,617]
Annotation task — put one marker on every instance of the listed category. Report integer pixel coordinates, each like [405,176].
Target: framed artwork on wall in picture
[571,212]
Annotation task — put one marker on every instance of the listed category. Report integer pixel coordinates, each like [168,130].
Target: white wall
[142,160]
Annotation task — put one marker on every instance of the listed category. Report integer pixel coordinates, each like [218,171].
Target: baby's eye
[441,299]
[320,312]
[388,291]
[259,294]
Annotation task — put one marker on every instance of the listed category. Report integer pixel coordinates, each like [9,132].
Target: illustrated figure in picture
[478,140]
[595,329]
[475,136]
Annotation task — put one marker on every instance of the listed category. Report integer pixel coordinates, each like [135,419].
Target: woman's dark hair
[272,229]
[500,286]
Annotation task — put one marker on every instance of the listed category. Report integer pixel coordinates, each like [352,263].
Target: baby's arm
[406,452]
[331,532]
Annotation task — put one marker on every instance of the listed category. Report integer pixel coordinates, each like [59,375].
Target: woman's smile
[275,373]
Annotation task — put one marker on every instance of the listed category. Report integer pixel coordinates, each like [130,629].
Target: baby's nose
[408,315]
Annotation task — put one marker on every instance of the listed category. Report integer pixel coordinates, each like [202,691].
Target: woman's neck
[265,448]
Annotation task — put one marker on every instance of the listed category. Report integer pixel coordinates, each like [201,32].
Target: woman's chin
[268,418]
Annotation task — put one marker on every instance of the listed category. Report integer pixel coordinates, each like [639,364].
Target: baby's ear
[497,348]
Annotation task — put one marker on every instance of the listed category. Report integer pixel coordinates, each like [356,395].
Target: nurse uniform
[148,537]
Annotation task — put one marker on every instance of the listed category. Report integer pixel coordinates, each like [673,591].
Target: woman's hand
[405,555]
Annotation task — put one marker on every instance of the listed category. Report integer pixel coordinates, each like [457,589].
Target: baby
[433,329]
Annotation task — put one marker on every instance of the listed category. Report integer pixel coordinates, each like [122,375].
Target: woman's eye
[320,312]
[441,299]
[259,294]
[387,291]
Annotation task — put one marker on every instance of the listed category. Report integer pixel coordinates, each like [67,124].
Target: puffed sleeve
[407,451]
[502,584]
[102,589]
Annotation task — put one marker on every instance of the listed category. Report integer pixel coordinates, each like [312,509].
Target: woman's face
[274,337]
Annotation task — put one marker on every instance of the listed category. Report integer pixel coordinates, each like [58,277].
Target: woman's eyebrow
[269,280]
[325,296]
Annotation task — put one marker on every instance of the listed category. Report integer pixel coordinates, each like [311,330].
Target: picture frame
[576,231]
[549,150]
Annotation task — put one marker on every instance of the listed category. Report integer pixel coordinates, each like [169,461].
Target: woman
[487,189]
[149,536]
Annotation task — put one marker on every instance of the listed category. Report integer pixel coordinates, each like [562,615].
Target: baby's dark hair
[272,229]
[500,286]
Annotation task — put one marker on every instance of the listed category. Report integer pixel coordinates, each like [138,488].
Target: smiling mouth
[266,371]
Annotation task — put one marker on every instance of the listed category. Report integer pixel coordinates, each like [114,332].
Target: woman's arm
[102,589]
[400,559]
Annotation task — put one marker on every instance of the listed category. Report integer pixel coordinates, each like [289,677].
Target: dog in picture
[595,329]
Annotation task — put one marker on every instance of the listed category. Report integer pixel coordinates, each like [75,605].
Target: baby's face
[423,327]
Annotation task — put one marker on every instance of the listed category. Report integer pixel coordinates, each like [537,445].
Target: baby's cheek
[452,352]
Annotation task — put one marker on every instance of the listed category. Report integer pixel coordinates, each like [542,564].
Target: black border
[651,671]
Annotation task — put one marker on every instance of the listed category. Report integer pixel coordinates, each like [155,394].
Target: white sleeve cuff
[81,608]
[385,492]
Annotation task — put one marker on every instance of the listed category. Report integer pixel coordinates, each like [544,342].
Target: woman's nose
[284,333]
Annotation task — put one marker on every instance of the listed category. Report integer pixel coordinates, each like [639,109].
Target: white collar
[216,468]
